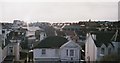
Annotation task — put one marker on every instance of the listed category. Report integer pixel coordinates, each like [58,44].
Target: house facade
[11,48]
[59,50]
[98,45]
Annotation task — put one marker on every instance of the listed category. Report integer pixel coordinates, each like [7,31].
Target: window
[67,52]
[10,51]
[102,50]
[43,51]
[109,51]
[3,31]
[71,52]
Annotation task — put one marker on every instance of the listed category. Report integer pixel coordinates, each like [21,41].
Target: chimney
[94,36]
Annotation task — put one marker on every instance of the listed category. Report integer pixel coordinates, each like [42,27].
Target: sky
[58,10]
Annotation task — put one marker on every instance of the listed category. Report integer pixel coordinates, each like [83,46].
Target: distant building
[71,28]
[11,48]
[18,24]
[55,49]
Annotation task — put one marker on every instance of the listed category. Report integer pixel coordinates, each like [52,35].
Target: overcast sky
[58,10]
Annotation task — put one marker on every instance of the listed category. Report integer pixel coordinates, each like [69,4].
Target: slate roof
[49,30]
[70,33]
[52,42]
[81,34]
[103,37]
[60,33]
[72,26]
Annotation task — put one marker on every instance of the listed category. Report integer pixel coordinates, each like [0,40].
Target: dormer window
[102,50]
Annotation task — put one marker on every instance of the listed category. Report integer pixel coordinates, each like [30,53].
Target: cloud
[59,11]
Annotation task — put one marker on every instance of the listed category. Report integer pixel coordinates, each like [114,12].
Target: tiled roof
[60,33]
[52,42]
[49,30]
[70,33]
[72,26]
[103,38]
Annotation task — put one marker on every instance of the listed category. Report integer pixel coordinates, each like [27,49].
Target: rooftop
[52,42]
[103,38]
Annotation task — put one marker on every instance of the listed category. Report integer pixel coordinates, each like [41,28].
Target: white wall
[4,52]
[68,46]
[50,53]
[90,49]
[15,51]
[64,57]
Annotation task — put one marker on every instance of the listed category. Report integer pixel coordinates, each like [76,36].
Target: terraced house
[98,44]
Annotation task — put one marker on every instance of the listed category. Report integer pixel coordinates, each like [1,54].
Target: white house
[11,49]
[31,30]
[56,49]
[97,45]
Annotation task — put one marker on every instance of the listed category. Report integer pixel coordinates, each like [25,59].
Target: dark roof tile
[52,42]
[103,38]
